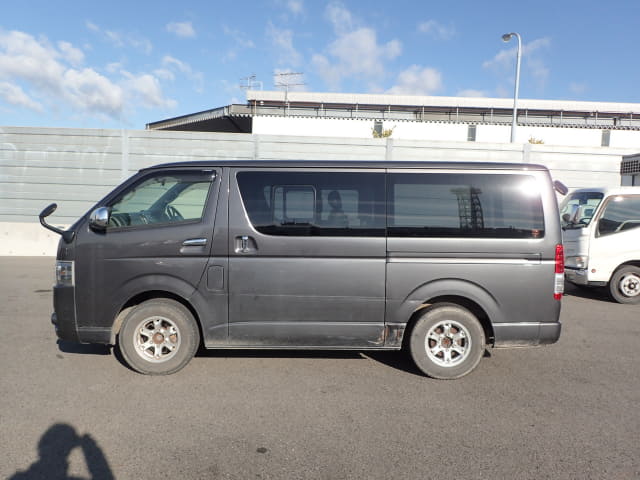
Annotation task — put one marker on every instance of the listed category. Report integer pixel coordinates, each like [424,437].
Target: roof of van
[351,164]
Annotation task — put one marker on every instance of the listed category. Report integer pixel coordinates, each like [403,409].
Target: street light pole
[506,37]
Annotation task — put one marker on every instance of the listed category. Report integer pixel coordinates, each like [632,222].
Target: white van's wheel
[158,337]
[624,286]
[447,341]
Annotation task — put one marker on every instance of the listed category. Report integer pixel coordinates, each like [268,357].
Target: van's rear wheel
[624,286]
[447,341]
[158,337]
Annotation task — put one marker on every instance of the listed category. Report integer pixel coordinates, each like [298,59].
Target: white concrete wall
[77,167]
[441,131]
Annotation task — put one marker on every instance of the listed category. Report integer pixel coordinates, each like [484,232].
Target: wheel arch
[151,295]
[156,287]
[463,293]
[632,263]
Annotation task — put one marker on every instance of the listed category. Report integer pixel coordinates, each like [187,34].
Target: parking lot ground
[569,410]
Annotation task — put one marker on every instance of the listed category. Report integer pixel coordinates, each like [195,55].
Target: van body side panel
[303,291]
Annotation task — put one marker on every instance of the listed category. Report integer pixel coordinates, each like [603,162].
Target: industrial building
[454,119]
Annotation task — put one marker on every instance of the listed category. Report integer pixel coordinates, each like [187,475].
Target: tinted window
[464,205]
[160,199]
[314,203]
[621,213]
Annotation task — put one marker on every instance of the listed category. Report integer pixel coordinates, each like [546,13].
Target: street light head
[506,37]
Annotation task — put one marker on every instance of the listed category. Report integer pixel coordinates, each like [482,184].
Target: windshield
[576,210]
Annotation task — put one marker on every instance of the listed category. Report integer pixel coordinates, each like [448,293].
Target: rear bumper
[526,334]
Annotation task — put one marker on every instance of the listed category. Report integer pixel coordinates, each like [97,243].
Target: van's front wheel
[624,286]
[447,342]
[158,337]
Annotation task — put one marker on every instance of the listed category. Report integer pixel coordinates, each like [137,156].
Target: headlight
[576,262]
[64,274]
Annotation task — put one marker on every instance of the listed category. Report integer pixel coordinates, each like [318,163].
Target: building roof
[436,101]
[471,110]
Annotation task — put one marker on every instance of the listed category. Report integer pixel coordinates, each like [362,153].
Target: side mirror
[99,219]
[67,235]
[560,187]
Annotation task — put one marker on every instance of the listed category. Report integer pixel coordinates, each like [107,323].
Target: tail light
[558,288]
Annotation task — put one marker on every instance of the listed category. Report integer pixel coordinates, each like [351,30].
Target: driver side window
[163,198]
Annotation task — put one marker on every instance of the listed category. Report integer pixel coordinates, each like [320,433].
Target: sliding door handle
[195,242]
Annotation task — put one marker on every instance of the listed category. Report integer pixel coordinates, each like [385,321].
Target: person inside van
[336,217]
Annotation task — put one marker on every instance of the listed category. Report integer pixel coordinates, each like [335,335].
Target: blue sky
[123,64]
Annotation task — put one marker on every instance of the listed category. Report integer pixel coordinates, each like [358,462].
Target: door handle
[245,244]
[195,242]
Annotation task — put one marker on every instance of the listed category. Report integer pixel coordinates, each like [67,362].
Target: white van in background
[601,235]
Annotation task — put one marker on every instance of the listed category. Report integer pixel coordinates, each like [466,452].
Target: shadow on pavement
[593,293]
[83,349]
[54,449]
[250,353]
[396,359]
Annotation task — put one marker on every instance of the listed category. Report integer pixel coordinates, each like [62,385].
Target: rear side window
[314,203]
[621,213]
[464,205]
[161,198]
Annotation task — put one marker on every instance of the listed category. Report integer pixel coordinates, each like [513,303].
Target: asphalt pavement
[568,410]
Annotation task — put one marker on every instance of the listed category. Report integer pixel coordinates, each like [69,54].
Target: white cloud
[437,30]
[89,91]
[73,55]
[339,17]
[169,61]
[120,39]
[164,74]
[114,67]
[92,26]
[282,40]
[578,88]
[504,61]
[239,37]
[181,29]
[417,80]
[171,64]
[240,41]
[146,89]
[471,93]
[295,6]
[34,68]
[14,95]
[505,58]
[355,53]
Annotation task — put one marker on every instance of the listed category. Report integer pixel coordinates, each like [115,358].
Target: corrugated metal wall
[76,167]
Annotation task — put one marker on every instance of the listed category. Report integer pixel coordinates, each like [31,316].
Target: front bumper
[64,315]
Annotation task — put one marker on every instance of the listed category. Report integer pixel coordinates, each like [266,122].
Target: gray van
[440,259]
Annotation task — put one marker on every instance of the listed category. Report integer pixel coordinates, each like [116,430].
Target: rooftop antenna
[250,82]
[286,80]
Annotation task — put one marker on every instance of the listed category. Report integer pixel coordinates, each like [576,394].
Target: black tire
[456,340]
[158,337]
[624,286]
